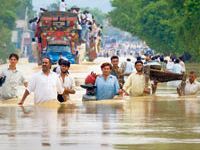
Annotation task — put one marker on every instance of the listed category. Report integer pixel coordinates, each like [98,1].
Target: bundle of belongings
[60,98]
[2,80]
[90,87]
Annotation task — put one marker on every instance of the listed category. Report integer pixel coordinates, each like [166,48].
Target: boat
[164,76]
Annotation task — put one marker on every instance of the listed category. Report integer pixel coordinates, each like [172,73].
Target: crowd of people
[46,84]
[128,79]
[89,31]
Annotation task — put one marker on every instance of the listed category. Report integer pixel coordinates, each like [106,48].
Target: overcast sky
[103,5]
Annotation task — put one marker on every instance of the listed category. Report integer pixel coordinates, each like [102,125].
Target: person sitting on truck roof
[75,10]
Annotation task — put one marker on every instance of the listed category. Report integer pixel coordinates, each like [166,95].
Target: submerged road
[163,121]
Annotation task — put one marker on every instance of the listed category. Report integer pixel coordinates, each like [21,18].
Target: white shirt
[192,89]
[89,17]
[62,6]
[14,78]
[129,67]
[45,87]
[177,68]
[170,65]
[135,85]
[67,83]
[183,65]
[58,71]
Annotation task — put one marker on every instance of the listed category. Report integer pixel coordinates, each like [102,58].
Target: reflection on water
[155,122]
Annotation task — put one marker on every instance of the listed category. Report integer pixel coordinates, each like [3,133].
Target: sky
[103,5]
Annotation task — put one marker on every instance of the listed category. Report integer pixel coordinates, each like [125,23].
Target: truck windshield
[58,48]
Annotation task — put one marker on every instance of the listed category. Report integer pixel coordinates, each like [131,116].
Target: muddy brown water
[163,121]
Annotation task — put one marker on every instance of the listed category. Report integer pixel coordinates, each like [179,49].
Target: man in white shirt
[177,68]
[135,85]
[191,87]
[63,5]
[128,68]
[66,80]
[170,64]
[181,58]
[13,78]
[45,84]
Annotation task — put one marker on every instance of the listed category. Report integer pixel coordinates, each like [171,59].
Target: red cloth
[90,79]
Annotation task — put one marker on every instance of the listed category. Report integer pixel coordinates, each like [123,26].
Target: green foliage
[9,12]
[9,19]
[53,7]
[168,26]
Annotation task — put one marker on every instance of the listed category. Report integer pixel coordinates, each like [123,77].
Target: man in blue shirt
[107,85]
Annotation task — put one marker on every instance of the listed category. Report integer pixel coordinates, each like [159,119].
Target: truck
[57,36]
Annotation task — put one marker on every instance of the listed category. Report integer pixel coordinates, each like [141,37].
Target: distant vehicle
[57,35]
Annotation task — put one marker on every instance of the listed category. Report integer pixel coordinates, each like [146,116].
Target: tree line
[167,26]
[10,11]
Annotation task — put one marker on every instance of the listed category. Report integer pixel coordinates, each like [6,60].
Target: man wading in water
[13,78]
[136,84]
[66,80]
[45,84]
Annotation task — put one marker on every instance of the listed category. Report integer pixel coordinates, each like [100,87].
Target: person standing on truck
[63,6]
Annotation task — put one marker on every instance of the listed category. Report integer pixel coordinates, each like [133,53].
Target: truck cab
[57,35]
[55,52]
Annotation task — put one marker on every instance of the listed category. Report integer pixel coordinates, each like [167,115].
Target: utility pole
[24,33]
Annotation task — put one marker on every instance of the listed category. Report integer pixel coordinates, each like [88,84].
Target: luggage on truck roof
[58,13]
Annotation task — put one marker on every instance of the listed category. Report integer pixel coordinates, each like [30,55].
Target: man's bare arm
[26,93]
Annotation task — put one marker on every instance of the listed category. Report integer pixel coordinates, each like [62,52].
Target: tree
[53,7]
[9,12]
[170,26]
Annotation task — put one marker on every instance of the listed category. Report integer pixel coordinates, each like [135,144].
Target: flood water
[163,121]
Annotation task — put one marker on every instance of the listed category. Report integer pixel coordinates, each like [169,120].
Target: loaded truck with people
[58,36]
